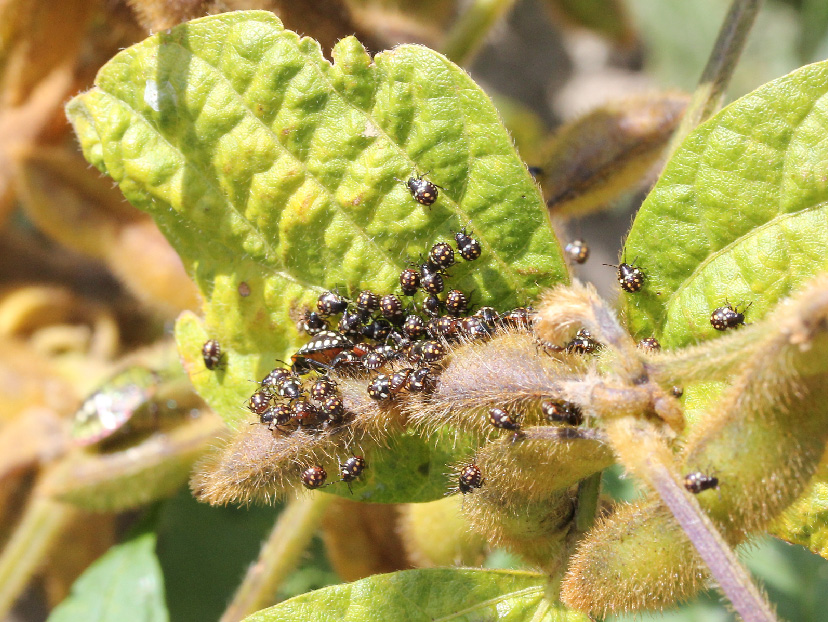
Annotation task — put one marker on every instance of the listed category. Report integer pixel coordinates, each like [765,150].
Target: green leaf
[805,522]
[272,172]
[739,213]
[427,595]
[412,470]
[125,584]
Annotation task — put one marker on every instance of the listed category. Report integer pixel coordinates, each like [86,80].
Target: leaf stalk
[708,96]
[471,29]
[279,555]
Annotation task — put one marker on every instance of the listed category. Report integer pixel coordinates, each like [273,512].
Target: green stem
[471,28]
[279,555]
[729,45]
[731,576]
[42,523]
[589,491]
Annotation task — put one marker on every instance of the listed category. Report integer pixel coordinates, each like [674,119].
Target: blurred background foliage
[88,286]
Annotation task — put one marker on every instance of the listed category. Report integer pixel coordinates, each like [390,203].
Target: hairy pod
[535,530]
[566,308]
[636,559]
[766,437]
[436,534]
[763,438]
[260,465]
[507,371]
[362,539]
[593,159]
[540,461]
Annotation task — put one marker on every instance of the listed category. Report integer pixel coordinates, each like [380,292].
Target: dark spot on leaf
[424,468]
[244,289]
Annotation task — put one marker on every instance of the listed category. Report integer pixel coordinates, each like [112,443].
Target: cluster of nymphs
[381,361]
[393,347]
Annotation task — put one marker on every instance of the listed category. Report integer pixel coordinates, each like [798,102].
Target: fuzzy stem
[589,491]
[279,555]
[561,433]
[729,45]
[732,577]
[471,28]
[42,523]
[641,449]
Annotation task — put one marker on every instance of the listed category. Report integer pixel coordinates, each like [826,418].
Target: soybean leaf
[806,521]
[275,175]
[739,214]
[426,595]
[125,584]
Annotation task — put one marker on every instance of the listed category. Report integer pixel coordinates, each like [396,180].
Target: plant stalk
[279,555]
[41,524]
[471,28]
[642,449]
[730,43]
[731,576]
[589,491]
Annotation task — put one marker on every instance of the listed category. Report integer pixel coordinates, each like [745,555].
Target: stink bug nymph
[499,418]
[561,412]
[330,303]
[456,303]
[697,482]
[469,247]
[431,305]
[728,316]
[391,306]
[409,281]
[314,477]
[423,191]
[470,478]
[441,255]
[367,301]
[380,388]
[333,409]
[577,251]
[259,402]
[352,468]
[211,353]
[432,283]
[630,277]
[650,344]
[276,415]
[313,323]
[322,388]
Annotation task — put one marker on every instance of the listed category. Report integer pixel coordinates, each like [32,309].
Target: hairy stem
[642,449]
[472,27]
[729,45]
[731,576]
[42,523]
[279,555]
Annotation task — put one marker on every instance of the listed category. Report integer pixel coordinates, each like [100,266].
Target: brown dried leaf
[40,47]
